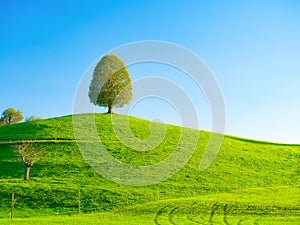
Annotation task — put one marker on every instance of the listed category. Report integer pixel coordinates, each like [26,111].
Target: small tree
[32,118]
[111,84]
[29,154]
[11,116]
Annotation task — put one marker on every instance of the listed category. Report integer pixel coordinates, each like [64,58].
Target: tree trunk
[110,109]
[27,171]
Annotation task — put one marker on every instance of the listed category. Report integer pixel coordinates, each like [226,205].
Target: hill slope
[62,173]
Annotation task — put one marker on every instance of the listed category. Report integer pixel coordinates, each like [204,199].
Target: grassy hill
[247,176]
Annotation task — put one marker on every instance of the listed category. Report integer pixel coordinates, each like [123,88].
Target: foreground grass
[244,177]
[102,218]
[250,206]
[111,218]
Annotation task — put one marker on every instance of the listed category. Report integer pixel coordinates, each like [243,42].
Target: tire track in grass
[171,214]
[159,213]
[225,213]
[219,213]
[212,213]
[240,222]
[191,219]
[199,213]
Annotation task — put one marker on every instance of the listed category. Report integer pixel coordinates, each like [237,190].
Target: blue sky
[252,47]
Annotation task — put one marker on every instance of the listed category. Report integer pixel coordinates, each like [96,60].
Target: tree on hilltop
[111,84]
[33,118]
[11,116]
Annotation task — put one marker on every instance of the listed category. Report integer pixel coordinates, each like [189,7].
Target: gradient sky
[252,48]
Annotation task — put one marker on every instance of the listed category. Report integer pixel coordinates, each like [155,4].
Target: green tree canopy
[11,116]
[111,84]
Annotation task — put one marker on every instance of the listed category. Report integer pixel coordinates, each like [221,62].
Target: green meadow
[249,182]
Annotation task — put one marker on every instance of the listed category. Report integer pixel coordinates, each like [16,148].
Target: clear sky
[252,47]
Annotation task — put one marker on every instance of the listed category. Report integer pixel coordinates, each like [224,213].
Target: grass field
[250,206]
[250,182]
